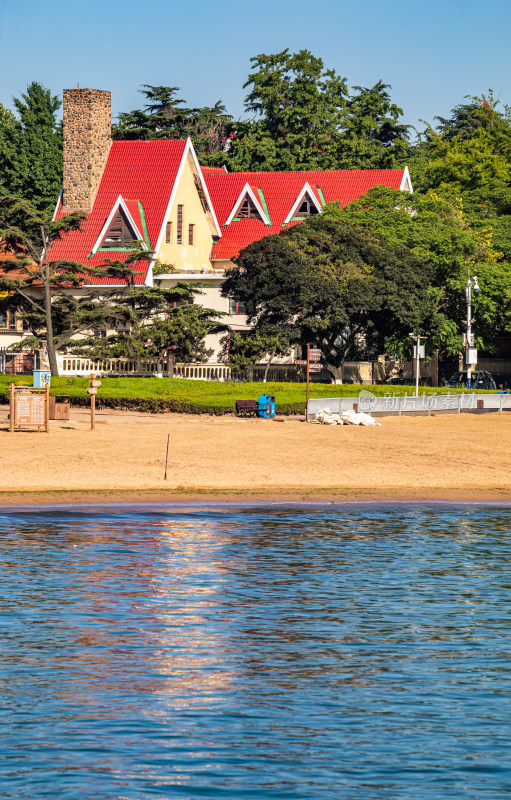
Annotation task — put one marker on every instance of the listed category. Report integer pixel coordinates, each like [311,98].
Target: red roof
[280,191]
[142,173]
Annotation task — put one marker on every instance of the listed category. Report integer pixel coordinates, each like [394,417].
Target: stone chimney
[87,139]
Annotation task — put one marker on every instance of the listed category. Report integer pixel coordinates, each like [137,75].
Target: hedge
[163,395]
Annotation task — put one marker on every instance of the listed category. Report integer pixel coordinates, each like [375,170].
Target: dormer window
[247,210]
[306,207]
[119,233]
[250,204]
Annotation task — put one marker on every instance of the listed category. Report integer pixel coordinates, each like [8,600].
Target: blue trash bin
[42,378]
[266,406]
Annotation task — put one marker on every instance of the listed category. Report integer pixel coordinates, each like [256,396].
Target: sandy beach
[441,457]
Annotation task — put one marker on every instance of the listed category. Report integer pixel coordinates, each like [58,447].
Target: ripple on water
[267,652]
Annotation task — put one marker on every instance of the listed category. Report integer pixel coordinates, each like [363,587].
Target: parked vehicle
[480,379]
[398,381]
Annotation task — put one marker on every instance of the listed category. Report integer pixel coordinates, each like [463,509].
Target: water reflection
[360,652]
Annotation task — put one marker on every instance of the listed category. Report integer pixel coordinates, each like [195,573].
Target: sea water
[261,652]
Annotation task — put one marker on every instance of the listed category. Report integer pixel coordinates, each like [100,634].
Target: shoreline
[458,458]
[235,496]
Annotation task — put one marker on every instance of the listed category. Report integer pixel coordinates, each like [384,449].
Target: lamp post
[470,351]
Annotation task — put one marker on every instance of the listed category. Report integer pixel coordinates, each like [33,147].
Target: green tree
[329,284]
[436,229]
[165,116]
[8,153]
[33,168]
[374,139]
[299,110]
[244,350]
[29,234]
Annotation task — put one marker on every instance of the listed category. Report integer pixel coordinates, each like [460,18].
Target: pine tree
[36,169]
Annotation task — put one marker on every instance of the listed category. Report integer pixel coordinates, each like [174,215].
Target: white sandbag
[350,417]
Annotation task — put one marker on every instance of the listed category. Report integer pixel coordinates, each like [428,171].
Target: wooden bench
[246,408]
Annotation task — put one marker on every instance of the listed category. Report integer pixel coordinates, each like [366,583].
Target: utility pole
[470,351]
[419,351]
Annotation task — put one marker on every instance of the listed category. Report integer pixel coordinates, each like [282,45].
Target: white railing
[143,367]
[203,372]
[75,365]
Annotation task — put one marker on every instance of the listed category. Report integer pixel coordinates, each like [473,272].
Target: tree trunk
[268,364]
[52,356]
[336,373]
[45,269]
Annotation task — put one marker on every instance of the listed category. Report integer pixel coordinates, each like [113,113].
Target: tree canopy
[326,283]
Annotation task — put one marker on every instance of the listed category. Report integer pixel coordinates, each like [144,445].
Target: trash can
[42,378]
[266,406]
[59,406]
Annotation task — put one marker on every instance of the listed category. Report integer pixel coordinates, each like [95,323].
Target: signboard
[315,367]
[470,356]
[422,351]
[28,408]
[314,354]
[300,361]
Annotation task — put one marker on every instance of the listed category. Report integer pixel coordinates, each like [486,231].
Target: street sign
[94,383]
[315,354]
[300,361]
[91,390]
[315,367]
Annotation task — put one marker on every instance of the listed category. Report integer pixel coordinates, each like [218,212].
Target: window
[179,232]
[118,234]
[247,210]
[236,307]
[168,233]
[8,320]
[200,192]
[306,207]
[190,233]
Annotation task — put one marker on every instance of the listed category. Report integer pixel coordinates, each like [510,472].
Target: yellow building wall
[185,257]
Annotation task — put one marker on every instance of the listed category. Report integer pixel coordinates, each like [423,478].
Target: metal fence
[403,404]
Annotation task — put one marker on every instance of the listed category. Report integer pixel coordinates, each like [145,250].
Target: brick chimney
[87,139]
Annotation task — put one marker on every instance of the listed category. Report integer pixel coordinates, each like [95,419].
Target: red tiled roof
[144,172]
[280,191]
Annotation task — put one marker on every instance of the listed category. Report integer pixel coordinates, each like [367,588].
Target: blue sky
[432,53]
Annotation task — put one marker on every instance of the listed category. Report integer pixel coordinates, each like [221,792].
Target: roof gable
[282,192]
[248,196]
[306,192]
[132,212]
[147,173]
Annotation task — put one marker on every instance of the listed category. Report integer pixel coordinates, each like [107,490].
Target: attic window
[247,210]
[118,234]
[200,192]
[306,207]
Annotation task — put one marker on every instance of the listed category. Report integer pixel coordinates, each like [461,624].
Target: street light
[470,351]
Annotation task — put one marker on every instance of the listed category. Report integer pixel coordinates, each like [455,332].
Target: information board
[29,408]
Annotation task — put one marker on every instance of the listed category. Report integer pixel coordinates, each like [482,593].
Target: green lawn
[198,397]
